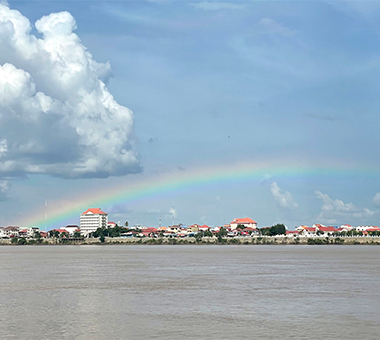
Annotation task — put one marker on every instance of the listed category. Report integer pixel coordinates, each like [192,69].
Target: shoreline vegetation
[255,240]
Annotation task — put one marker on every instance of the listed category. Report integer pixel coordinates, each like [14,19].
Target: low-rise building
[111,225]
[366,227]
[71,229]
[246,222]
[12,231]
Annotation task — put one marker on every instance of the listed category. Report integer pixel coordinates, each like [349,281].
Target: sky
[100,98]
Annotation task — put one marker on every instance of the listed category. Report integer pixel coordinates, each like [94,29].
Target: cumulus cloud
[57,116]
[333,211]
[216,6]
[283,199]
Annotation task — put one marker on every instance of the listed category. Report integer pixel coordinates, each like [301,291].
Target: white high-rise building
[92,219]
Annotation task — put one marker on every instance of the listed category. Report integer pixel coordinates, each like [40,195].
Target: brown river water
[190,292]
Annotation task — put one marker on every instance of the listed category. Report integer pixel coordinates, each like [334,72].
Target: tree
[265,231]
[54,233]
[240,226]
[222,232]
[21,241]
[77,234]
[208,233]
[126,224]
[277,229]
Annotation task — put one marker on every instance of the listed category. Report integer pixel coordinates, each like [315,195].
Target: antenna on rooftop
[159,222]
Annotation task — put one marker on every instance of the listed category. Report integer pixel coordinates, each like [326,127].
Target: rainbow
[129,190]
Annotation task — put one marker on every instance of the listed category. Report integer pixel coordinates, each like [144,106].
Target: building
[12,231]
[71,229]
[92,219]
[111,225]
[246,222]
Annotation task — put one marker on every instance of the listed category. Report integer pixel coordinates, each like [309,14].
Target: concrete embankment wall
[214,240]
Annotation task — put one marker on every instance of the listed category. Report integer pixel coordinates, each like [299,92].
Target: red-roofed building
[94,211]
[150,232]
[248,229]
[61,231]
[71,229]
[372,229]
[346,227]
[327,230]
[92,219]
[366,227]
[111,225]
[23,233]
[307,231]
[246,222]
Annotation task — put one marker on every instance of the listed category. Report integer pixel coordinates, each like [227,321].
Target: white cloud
[376,200]
[334,211]
[216,6]
[57,116]
[284,199]
[5,186]
[270,26]
[3,147]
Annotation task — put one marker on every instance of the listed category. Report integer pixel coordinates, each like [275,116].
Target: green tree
[240,226]
[198,236]
[277,229]
[222,232]
[265,231]
[126,224]
[21,241]
[54,233]
[77,234]
[208,233]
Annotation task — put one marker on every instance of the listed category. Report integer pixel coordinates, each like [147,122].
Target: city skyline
[259,109]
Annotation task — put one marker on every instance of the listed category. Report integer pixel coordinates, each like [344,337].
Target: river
[189,292]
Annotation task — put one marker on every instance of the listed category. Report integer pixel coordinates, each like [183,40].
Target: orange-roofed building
[92,219]
[327,230]
[246,222]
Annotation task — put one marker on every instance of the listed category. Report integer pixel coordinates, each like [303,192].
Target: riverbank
[283,240]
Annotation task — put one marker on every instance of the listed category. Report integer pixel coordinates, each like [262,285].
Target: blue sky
[209,83]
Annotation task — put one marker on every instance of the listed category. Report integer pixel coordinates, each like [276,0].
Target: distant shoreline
[263,240]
